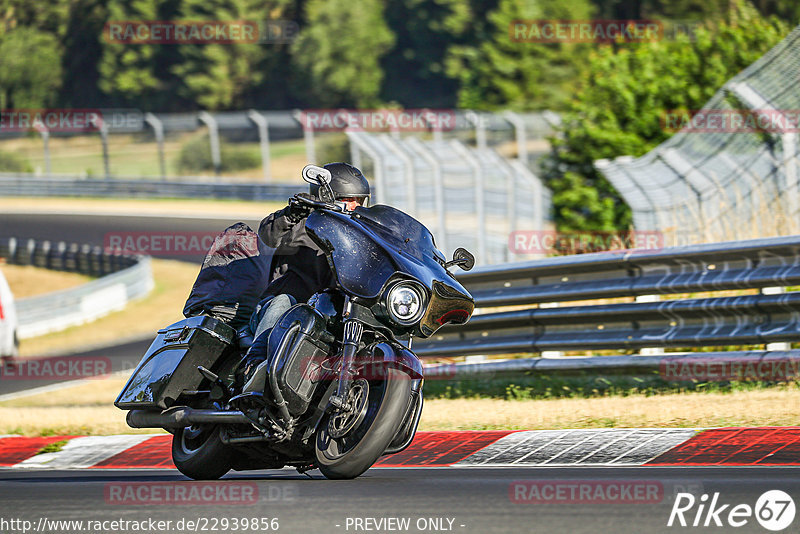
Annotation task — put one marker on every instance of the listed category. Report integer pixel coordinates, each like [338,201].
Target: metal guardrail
[750,365]
[122,278]
[748,319]
[76,186]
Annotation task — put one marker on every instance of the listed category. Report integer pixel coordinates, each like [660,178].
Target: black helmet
[346,182]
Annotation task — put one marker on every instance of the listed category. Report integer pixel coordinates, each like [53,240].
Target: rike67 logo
[774,510]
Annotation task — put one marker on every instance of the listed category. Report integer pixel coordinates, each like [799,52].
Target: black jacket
[299,267]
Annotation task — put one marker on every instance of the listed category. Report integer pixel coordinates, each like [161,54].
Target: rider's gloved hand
[298,210]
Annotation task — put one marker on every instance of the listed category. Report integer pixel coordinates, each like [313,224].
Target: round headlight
[404,303]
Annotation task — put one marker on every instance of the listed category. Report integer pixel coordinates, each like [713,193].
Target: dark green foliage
[623,95]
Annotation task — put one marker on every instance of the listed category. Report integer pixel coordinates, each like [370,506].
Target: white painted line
[542,447]
[84,452]
[639,446]
[587,438]
[625,436]
[516,439]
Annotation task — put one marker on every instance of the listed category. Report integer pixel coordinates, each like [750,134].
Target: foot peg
[225,392]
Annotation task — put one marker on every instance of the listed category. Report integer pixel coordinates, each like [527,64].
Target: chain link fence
[731,171]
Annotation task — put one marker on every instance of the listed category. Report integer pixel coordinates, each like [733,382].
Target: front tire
[198,453]
[349,455]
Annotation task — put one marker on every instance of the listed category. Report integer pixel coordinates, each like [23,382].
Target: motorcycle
[342,386]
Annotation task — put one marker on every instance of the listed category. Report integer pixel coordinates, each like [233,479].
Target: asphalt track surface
[94,229]
[476,500]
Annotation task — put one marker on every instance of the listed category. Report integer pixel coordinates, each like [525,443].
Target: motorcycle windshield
[369,246]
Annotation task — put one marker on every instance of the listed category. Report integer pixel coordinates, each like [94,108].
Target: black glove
[298,210]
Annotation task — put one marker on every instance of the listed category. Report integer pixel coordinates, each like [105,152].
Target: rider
[299,267]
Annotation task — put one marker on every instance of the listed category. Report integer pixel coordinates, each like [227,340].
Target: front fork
[352,337]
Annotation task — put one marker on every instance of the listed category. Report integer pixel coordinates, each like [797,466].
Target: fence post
[408,164]
[308,135]
[376,160]
[438,190]
[104,141]
[480,208]
[519,131]
[480,128]
[45,133]
[213,136]
[158,130]
[263,140]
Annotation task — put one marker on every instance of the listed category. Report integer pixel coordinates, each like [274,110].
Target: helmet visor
[351,203]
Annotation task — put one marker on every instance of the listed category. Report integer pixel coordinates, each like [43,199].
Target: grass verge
[87,409]
[27,281]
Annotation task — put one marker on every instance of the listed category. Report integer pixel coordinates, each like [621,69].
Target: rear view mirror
[463,258]
[316,175]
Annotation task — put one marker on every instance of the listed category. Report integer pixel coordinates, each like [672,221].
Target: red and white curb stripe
[776,446]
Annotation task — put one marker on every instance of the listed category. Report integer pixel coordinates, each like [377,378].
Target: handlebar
[300,199]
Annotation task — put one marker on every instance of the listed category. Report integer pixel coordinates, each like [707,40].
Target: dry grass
[173,281]
[235,209]
[26,281]
[87,409]
[764,407]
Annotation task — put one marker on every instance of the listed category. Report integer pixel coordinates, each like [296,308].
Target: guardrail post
[263,140]
[213,137]
[158,130]
[649,351]
[780,345]
[550,353]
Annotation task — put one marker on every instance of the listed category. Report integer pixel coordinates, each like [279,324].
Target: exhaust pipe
[182,416]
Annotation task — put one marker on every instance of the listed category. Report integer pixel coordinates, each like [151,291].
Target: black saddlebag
[170,365]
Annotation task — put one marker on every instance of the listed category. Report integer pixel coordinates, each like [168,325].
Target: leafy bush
[623,94]
[195,156]
[10,162]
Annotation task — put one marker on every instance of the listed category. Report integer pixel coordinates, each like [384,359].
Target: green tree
[415,69]
[338,52]
[622,98]
[502,72]
[30,69]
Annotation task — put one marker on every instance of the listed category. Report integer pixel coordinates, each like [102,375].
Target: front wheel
[198,452]
[348,444]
